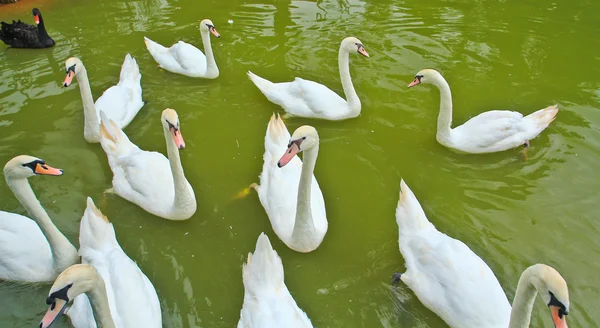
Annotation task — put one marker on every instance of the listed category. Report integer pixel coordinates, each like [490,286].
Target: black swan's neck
[42,34]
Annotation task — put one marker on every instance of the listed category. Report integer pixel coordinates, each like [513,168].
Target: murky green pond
[496,55]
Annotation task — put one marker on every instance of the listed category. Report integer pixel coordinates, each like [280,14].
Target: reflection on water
[512,212]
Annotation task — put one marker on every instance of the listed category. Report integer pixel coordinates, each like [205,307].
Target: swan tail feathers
[409,213]
[263,270]
[130,71]
[264,85]
[154,48]
[543,117]
[112,138]
[277,137]
[95,231]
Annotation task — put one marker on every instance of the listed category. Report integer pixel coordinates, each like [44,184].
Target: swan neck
[304,226]
[91,129]
[42,28]
[520,315]
[351,96]
[445,116]
[182,199]
[211,65]
[99,302]
[64,253]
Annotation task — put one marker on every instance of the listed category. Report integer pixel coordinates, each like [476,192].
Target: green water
[521,55]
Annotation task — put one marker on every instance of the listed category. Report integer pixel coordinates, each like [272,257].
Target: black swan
[22,35]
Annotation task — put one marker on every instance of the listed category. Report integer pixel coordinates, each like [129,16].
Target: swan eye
[562,309]
[172,126]
[32,165]
[70,69]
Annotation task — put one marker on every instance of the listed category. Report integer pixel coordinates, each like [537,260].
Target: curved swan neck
[64,253]
[520,315]
[183,199]
[91,129]
[351,96]
[42,28]
[99,302]
[445,116]
[304,226]
[212,70]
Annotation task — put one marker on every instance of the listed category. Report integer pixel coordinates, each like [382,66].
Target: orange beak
[363,52]
[292,150]
[44,169]
[214,32]
[69,78]
[54,312]
[36,18]
[416,81]
[178,138]
[560,321]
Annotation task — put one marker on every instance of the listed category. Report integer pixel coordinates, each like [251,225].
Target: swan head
[170,122]
[73,66]
[36,15]
[74,281]
[553,290]
[352,44]
[426,76]
[24,166]
[206,25]
[304,138]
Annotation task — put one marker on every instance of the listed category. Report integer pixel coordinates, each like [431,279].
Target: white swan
[456,284]
[149,179]
[311,99]
[119,292]
[288,189]
[120,102]
[488,132]
[184,58]
[31,250]
[267,300]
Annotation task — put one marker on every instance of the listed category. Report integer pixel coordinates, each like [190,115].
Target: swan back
[131,296]
[445,274]
[267,301]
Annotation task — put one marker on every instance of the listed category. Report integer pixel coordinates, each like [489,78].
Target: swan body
[149,179]
[22,35]
[31,250]
[119,293]
[456,284]
[120,103]
[267,301]
[310,99]
[488,132]
[184,58]
[288,190]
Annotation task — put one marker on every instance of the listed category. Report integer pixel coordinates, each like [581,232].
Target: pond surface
[522,55]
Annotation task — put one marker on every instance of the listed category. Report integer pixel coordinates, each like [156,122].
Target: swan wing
[123,101]
[131,296]
[162,55]
[455,283]
[145,177]
[114,103]
[490,129]
[267,301]
[189,57]
[321,101]
[25,254]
